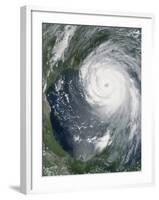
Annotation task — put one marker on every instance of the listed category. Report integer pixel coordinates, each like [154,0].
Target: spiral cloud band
[95,98]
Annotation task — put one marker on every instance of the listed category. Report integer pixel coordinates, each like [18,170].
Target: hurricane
[92,87]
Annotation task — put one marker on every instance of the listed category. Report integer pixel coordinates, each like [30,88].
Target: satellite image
[91,93]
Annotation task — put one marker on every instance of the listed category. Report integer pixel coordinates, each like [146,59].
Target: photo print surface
[91,99]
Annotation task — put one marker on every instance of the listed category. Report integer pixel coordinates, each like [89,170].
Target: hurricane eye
[106,85]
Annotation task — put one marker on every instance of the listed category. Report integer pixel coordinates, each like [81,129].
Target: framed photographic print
[86,108]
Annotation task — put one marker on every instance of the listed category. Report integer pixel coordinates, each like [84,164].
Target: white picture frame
[31,115]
